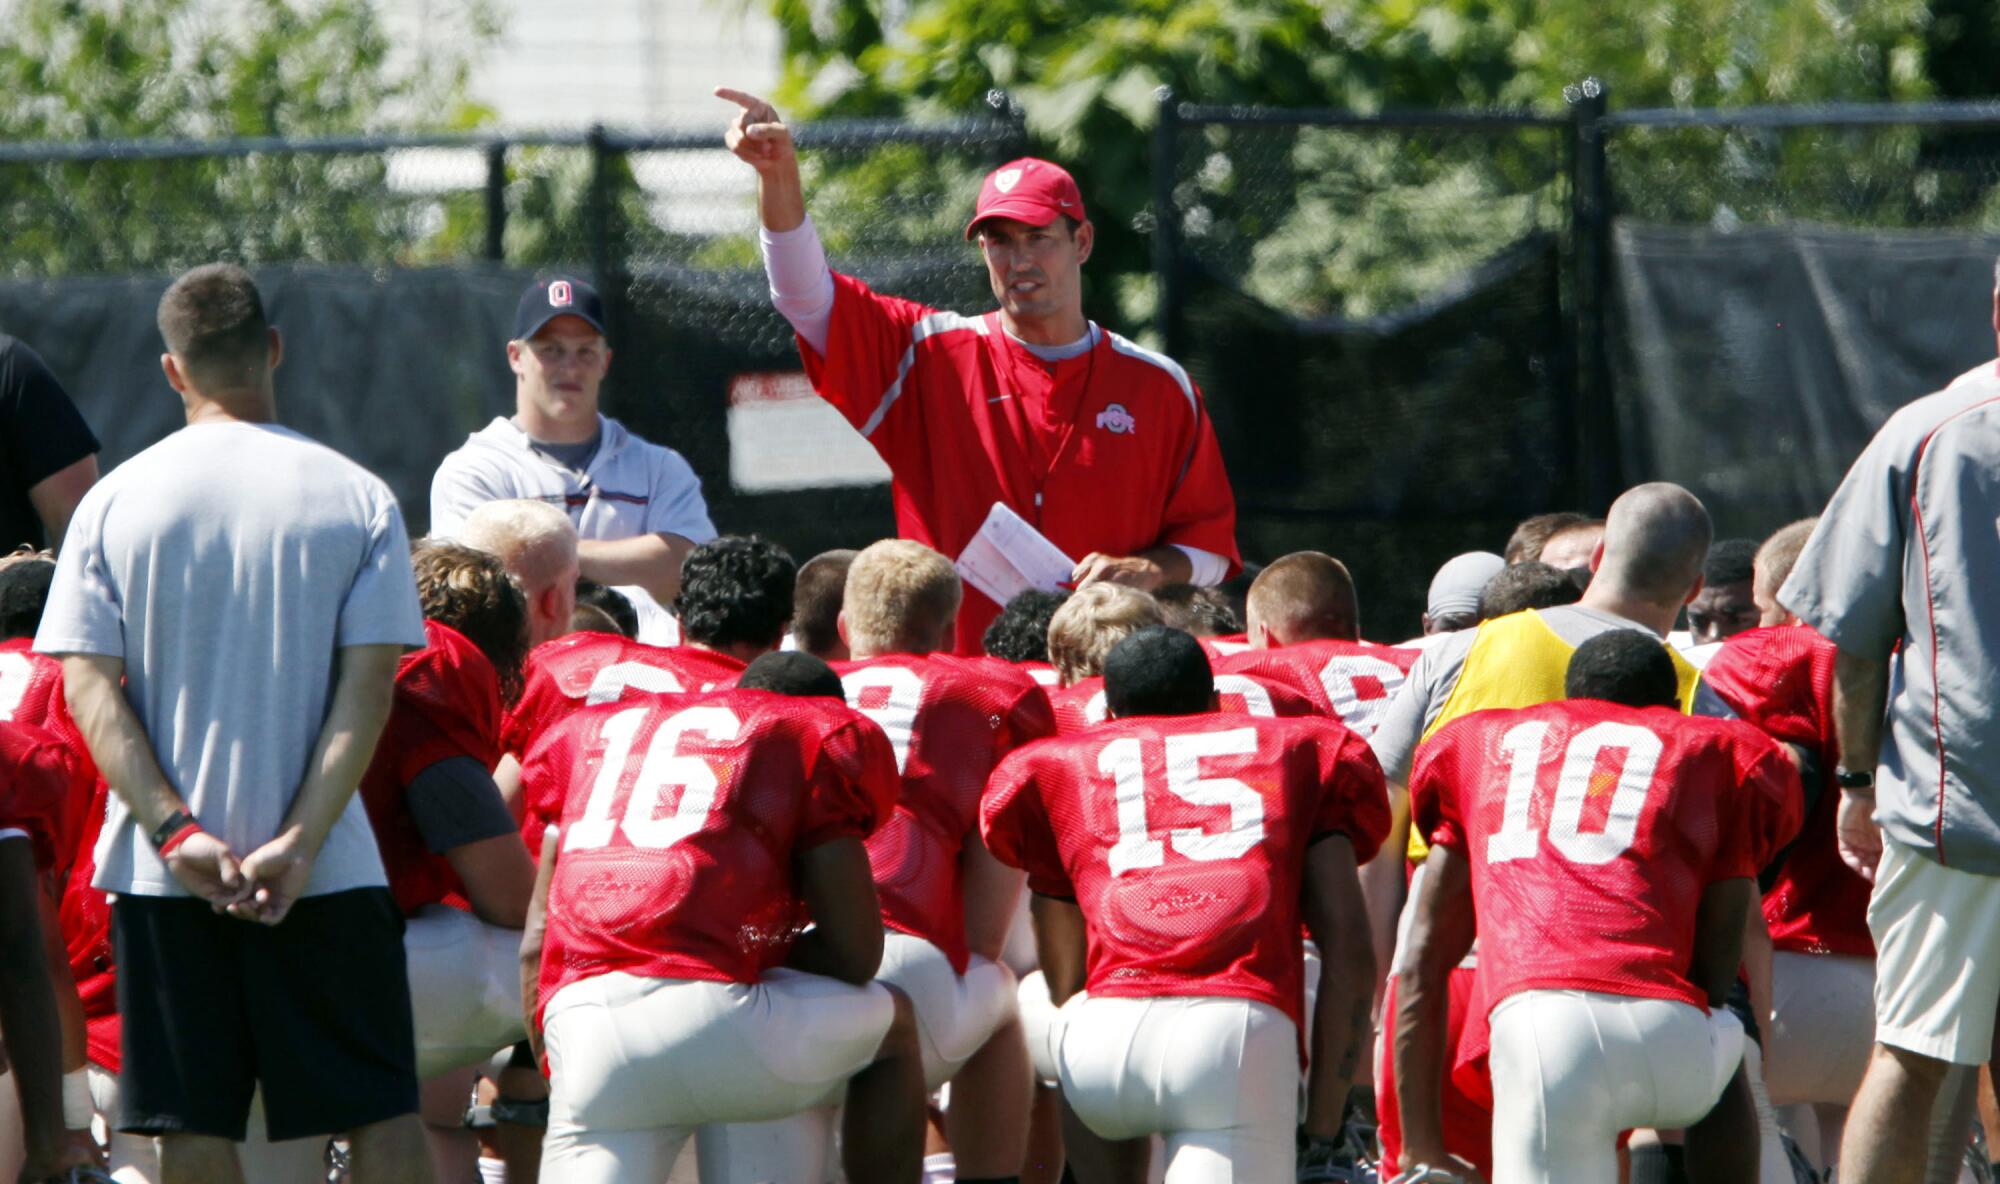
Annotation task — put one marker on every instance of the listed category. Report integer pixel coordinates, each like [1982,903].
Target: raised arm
[277,872]
[760,138]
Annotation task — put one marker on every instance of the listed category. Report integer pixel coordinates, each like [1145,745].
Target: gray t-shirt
[226,565]
[1907,551]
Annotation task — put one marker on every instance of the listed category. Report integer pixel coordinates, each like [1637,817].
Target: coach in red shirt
[1104,446]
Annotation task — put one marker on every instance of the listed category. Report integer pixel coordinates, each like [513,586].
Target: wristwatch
[1854,779]
[176,823]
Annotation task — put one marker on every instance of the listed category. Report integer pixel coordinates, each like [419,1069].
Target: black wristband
[1854,779]
[175,823]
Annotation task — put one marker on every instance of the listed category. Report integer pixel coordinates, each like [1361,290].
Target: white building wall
[636,64]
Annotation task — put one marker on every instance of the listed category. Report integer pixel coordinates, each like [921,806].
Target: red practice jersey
[1781,680]
[585,669]
[40,782]
[950,721]
[1045,675]
[31,692]
[1222,647]
[1592,830]
[681,819]
[1081,704]
[447,705]
[1183,840]
[1111,451]
[1352,681]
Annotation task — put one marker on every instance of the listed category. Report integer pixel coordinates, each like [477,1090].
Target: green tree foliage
[1343,222]
[81,70]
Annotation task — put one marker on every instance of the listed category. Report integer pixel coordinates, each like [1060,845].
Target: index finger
[742,98]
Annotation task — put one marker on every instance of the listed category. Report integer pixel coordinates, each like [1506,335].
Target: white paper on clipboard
[1007,557]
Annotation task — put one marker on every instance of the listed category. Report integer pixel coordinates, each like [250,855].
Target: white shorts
[1571,1069]
[1823,1028]
[1038,1015]
[465,988]
[1216,1077]
[636,1064]
[1937,943]
[955,1013]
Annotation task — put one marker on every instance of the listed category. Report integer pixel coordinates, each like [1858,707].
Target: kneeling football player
[1608,846]
[675,989]
[1173,852]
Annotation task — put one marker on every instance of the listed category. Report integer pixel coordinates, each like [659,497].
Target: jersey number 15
[1123,762]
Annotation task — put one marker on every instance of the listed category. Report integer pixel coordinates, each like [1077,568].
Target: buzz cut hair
[1094,619]
[212,320]
[1779,554]
[534,540]
[1306,596]
[899,596]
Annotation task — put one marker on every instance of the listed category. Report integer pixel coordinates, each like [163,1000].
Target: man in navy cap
[637,506]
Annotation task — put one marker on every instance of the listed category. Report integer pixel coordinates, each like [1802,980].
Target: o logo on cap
[1006,179]
[559,294]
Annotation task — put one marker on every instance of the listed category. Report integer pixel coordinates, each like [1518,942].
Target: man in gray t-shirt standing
[1900,574]
[251,590]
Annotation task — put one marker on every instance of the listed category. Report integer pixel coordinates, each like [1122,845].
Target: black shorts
[316,1010]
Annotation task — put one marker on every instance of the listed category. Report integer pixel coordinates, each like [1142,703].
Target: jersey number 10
[1517,839]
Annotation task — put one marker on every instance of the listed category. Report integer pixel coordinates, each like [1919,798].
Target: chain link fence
[1373,306]
[1413,329]
[1783,280]
[393,264]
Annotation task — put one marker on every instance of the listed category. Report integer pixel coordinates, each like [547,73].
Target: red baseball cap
[1027,190]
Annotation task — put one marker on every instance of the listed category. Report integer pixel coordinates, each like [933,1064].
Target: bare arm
[69,1004]
[1718,936]
[507,776]
[532,934]
[1440,934]
[839,889]
[1060,945]
[56,495]
[28,1016]
[651,561]
[760,138]
[1384,887]
[363,689]
[992,889]
[499,878]
[1860,699]
[1757,954]
[94,692]
[1337,917]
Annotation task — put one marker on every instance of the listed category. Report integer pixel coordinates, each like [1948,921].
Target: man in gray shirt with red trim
[1901,574]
